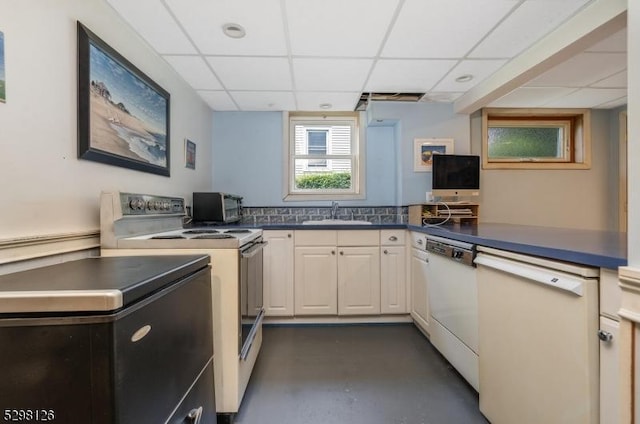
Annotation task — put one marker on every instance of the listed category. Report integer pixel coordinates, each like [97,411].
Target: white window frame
[357,190]
[578,155]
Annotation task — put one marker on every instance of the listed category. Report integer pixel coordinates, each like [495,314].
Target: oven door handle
[253,249]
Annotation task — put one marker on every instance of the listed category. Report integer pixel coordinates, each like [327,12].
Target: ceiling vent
[365,98]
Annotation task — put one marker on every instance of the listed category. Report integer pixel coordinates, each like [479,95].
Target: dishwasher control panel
[464,255]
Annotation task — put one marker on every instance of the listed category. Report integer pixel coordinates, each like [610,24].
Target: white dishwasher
[453,304]
[538,339]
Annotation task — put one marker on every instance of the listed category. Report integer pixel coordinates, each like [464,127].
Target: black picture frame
[123,115]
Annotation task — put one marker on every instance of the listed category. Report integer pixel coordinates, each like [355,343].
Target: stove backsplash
[297,215]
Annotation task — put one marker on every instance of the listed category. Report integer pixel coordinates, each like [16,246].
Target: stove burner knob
[136,203]
[166,206]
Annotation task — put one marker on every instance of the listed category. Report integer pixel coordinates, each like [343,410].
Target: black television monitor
[455,175]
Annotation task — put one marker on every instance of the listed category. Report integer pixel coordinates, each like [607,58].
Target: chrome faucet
[334,210]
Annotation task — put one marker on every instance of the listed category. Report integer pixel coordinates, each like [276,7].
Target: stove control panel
[146,204]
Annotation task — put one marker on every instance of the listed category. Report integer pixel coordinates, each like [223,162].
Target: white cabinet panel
[359,281]
[278,273]
[609,372]
[419,289]
[393,286]
[316,286]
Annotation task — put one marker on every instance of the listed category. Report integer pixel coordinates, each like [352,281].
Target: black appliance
[108,341]
[216,208]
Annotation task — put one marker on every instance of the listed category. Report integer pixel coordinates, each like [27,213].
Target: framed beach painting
[123,116]
[425,148]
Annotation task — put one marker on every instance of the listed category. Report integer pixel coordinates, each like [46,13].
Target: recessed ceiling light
[233,30]
[326,105]
[464,78]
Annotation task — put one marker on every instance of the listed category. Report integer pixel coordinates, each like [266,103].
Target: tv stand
[436,213]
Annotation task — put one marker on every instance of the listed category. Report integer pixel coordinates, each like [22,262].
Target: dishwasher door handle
[540,275]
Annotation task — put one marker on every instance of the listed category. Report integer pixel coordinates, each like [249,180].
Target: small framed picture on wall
[425,148]
[189,154]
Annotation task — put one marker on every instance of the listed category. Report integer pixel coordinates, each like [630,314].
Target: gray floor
[375,374]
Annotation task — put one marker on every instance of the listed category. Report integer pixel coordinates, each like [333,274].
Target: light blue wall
[248,153]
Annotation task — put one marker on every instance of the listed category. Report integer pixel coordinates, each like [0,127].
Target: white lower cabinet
[358,280]
[609,371]
[393,275]
[316,280]
[278,273]
[339,273]
[419,269]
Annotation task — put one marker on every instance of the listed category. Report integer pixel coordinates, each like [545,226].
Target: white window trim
[581,143]
[358,150]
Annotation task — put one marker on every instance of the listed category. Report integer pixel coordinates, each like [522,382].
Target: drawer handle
[393,238]
[195,415]
[419,241]
[140,333]
[605,336]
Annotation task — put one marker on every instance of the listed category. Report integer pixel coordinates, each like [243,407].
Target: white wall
[554,198]
[39,169]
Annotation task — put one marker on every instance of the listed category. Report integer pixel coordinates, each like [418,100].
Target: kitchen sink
[336,222]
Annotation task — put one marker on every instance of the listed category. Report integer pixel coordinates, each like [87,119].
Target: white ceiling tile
[264,100]
[614,43]
[396,75]
[330,74]
[155,24]
[582,70]
[337,27]
[480,69]
[531,96]
[218,100]
[618,80]
[257,73]
[311,101]
[442,29]
[195,71]
[262,20]
[527,24]
[588,97]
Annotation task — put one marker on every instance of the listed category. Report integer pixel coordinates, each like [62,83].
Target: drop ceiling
[300,54]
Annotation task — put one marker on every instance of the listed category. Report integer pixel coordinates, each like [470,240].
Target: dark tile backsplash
[297,215]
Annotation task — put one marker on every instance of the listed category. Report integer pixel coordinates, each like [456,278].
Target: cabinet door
[609,370]
[393,289]
[278,273]
[419,289]
[359,280]
[316,287]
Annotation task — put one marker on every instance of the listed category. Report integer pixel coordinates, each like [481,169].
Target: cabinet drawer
[316,238]
[392,237]
[358,237]
[610,293]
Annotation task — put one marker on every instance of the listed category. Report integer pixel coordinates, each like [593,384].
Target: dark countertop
[332,227]
[604,249]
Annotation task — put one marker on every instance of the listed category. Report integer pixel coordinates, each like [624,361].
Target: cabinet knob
[605,336]
[289,235]
[333,252]
[341,252]
[386,252]
[393,238]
